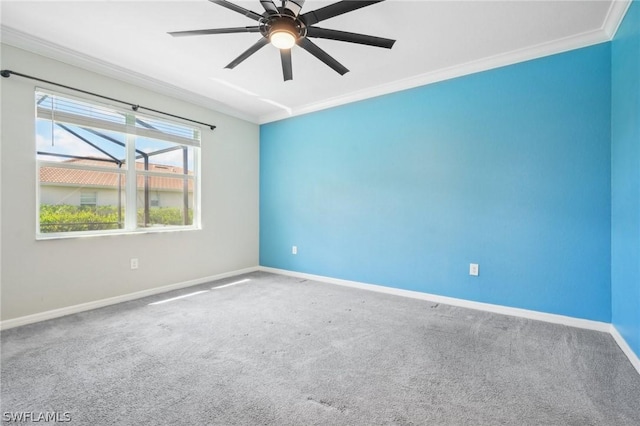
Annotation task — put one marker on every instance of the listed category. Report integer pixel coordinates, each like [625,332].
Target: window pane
[62,142]
[82,153]
[78,112]
[74,200]
[163,156]
[163,201]
[165,129]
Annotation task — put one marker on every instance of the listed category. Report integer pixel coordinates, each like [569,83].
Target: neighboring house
[78,187]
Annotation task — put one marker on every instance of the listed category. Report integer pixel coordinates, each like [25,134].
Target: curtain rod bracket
[7,73]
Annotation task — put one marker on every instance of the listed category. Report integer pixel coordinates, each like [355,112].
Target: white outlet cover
[474,269]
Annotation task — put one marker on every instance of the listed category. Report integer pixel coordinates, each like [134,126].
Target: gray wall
[39,276]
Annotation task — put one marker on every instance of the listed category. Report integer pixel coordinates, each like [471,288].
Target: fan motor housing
[286,23]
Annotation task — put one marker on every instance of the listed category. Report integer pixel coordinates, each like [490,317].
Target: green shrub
[163,216]
[68,218]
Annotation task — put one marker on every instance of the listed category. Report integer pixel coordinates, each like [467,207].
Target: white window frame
[131,173]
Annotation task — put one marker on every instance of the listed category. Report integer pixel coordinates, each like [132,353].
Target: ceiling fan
[284,27]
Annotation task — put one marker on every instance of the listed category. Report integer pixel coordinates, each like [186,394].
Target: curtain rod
[135,107]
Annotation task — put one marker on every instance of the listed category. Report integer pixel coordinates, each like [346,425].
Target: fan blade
[334,9]
[310,47]
[285,56]
[269,6]
[350,37]
[293,6]
[246,12]
[216,31]
[250,51]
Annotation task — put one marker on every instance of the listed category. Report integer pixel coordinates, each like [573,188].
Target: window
[89,199]
[107,170]
[155,199]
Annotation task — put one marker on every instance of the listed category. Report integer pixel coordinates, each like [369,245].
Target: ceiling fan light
[282,39]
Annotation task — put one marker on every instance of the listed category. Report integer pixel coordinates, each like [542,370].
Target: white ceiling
[436,40]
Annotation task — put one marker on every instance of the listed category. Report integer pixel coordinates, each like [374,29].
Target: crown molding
[472,67]
[24,41]
[615,15]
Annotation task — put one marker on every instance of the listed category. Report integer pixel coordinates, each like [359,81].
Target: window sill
[89,234]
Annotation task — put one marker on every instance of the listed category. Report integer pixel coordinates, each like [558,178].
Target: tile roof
[106,179]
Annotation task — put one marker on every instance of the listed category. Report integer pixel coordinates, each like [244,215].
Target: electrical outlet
[134,263]
[474,269]
[294,250]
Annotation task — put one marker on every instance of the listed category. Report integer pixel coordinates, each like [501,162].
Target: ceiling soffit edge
[41,47]
[24,41]
[521,55]
[615,15]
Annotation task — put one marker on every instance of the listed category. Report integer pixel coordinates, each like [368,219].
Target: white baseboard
[635,361]
[504,310]
[498,309]
[55,313]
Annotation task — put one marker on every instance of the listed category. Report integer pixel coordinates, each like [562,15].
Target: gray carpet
[283,351]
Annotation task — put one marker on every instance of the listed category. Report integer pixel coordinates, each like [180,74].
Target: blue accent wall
[625,179]
[509,168]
